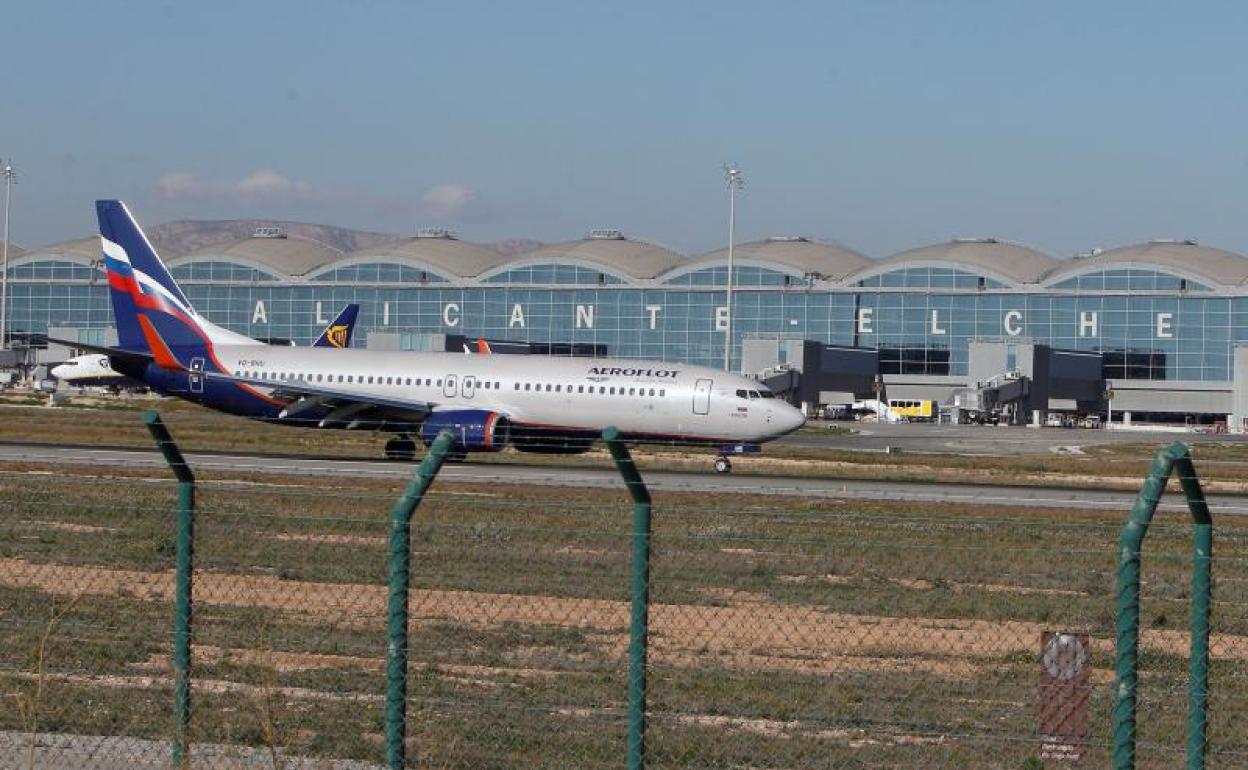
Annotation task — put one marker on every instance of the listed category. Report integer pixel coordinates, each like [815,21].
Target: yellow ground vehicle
[917,410]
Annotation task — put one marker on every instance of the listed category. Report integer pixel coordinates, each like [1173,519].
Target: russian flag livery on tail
[535,404]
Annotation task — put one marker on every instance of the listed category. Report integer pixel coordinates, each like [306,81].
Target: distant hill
[185,236]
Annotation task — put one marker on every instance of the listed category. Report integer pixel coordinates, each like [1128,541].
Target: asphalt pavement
[980,494]
[984,439]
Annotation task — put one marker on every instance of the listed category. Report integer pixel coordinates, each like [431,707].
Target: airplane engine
[475,430]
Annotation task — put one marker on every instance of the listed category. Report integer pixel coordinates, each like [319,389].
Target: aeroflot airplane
[95,370]
[552,405]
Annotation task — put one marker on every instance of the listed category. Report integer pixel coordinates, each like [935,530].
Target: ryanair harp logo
[337,335]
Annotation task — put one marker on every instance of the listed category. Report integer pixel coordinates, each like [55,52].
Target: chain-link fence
[784,632]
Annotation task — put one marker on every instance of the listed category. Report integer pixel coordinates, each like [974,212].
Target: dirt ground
[745,631]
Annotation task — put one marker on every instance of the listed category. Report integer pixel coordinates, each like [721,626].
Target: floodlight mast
[9,178]
[732,175]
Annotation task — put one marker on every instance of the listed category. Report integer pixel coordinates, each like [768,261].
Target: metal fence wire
[784,632]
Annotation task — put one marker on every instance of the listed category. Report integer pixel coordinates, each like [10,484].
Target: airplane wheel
[723,465]
[401,449]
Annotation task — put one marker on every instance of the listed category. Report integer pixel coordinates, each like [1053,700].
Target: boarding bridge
[1021,381]
[1005,396]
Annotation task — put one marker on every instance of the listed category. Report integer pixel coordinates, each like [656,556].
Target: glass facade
[1154,328]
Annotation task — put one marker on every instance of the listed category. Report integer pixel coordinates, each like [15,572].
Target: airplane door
[702,397]
[196,375]
[468,387]
[448,386]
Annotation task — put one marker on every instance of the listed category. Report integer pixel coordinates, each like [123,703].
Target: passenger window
[548,387]
[613,390]
[662,393]
[652,393]
[527,386]
[632,391]
[439,382]
[517,386]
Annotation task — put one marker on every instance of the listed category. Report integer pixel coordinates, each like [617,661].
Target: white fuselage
[88,370]
[637,397]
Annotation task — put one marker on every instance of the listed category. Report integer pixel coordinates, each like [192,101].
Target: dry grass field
[786,632]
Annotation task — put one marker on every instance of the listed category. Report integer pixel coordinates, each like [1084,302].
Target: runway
[997,441]
[484,473]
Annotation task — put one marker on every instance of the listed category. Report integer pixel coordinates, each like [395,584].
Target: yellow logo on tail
[337,335]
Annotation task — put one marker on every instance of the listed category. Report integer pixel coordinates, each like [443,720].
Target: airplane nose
[788,419]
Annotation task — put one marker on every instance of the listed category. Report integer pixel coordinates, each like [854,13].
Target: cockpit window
[742,394]
[754,395]
[767,394]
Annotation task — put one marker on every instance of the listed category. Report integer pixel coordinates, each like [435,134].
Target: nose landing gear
[723,465]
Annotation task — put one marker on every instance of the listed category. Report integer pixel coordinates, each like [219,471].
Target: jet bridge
[1021,382]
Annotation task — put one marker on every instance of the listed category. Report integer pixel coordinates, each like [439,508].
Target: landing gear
[401,448]
[723,465]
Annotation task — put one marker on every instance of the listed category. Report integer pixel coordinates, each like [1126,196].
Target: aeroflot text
[630,372]
[1012,321]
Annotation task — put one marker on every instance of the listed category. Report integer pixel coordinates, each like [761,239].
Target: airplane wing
[358,406]
[110,352]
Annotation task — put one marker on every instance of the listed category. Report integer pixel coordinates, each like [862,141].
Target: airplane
[94,370]
[535,404]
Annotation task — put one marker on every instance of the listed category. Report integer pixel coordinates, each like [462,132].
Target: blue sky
[881,125]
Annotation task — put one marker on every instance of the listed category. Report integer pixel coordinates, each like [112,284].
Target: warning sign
[1065,694]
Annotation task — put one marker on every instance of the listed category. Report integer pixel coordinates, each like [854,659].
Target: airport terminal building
[1166,315]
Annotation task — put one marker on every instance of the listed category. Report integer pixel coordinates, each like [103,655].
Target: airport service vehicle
[95,370]
[536,404]
[915,410]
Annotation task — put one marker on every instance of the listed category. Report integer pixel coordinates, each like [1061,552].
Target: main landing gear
[401,448]
[723,465]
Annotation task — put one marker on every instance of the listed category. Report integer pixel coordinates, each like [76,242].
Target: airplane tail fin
[338,333]
[152,313]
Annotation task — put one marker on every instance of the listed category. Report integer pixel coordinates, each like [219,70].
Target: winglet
[160,351]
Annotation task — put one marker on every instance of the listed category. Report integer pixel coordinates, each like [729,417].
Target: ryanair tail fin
[338,333]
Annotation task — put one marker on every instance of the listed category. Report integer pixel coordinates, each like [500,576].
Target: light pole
[9,179]
[732,175]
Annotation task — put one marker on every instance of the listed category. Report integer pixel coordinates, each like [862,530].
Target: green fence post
[1202,601]
[397,608]
[1175,457]
[184,563]
[638,627]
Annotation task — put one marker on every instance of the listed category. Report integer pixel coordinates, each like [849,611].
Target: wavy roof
[447,256]
[1012,261]
[1187,257]
[283,256]
[614,253]
[801,255]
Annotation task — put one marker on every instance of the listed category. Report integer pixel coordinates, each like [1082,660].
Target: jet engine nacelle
[475,430]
